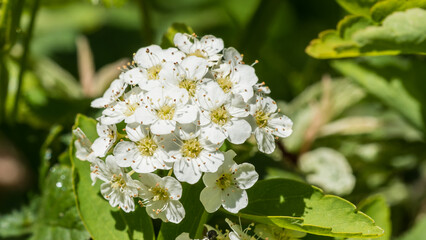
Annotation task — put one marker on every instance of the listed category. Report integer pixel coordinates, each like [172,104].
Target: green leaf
[57,217]
[400,33]
[384,8]
[19,223]
[357,7]
[339,43]
[294,205]
[417,232]
[46,153]
[392,93]
[377,208]
[195,216]
[101,220]
[171,31]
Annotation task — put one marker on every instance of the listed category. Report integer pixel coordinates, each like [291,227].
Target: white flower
[111,95]
[83,146]
[237,79]
[277,233]
[194,155]
[151,61]
[144,153]
[328,169]
[161,197]
[118,187]
[227,186]
[268,123]
[123,110]
[107,136]
[222,115]
[261,88]
[207,47]
[237,232]
[164,107]
[232,56]
[188,74]
[133,76]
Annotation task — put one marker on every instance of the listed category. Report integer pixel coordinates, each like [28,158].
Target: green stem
[4,86]
[131,172]
[170,172]
[200,228]
[23,61]
[145,21]
[4,79]
[5,6]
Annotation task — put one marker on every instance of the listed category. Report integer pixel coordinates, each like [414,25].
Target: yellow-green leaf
[382,9]
[339,43]
[294,205]
[404,32]
[357,7]
[399,33]
[377,208]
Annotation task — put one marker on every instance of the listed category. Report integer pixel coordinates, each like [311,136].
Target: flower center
[189,85]
[118,182]
[131,108]
[197,53]
[166,112]
[261,118]
[225,83]
[159,193]
[191,148]
[153,72]
[224,181]
[219,116]
[147,146]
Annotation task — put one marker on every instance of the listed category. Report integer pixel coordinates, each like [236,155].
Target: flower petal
[149,56]
[163,127]
[185,171]
[195,67]
[173,186]
[175,211]
[238,131]
[265,140]
[234,199]
[213,133]
[210,197]
[281,125]
[186,114]
[125,152]
[246,176]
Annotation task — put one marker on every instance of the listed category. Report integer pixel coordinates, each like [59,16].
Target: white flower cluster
[178,106]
